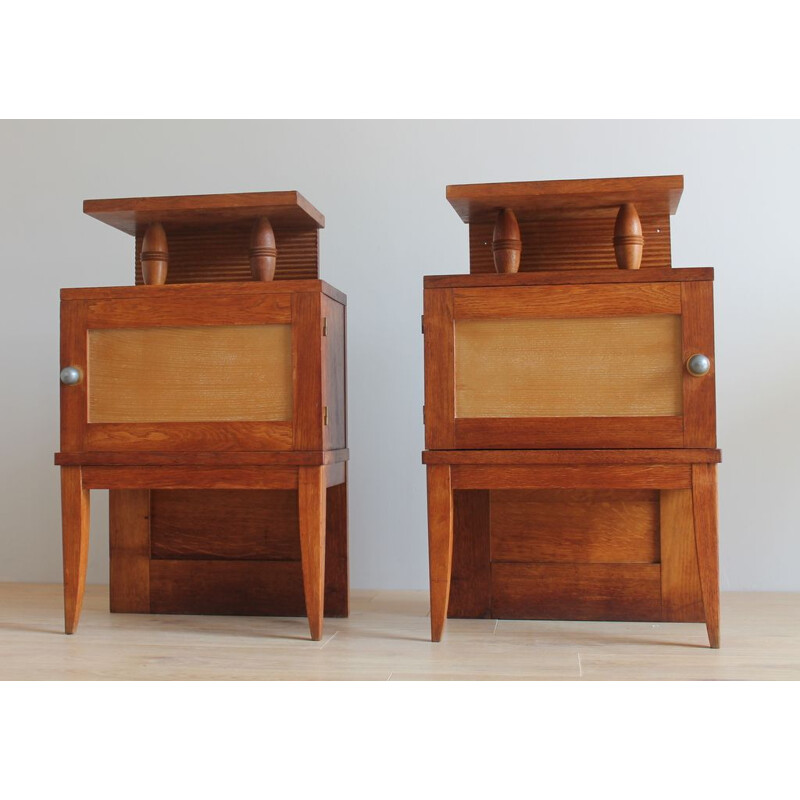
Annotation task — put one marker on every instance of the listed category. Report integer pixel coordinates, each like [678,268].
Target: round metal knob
[698,365]
[71,375]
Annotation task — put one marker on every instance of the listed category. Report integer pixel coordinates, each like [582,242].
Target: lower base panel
[232,552]
[575,554]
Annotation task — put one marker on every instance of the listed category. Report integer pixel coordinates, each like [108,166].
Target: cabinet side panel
[307,370]
[334,374]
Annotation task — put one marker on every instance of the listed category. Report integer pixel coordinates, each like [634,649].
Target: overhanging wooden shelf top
[600,197]
[133,214]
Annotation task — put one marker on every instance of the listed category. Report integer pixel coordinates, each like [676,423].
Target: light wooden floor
[386,637]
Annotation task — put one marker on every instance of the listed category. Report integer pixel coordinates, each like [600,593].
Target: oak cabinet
[210,400]
[570,423]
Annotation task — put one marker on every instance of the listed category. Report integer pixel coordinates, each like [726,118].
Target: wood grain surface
[75,542]
[699,393]
[539,476]
[568,432]
[577,367]
[439,414]
[577,591]
[243,525]
[440,544]
[268,458]
[311,497]
[471,580]
[610,456]
[191,477]
[704,508]
[226,587]
[567,301]
[601,197]
[575,526]
[334,378]
[565,277]
[198,374]
[681,598]
[131,214]
[129,525]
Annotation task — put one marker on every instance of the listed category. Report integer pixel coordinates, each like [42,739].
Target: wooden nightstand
[199,382]
[570,411]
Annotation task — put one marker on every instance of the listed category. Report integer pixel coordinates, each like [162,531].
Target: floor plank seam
[327,641]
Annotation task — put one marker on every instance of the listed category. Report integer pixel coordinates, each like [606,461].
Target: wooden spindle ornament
[155,255]
[628,239]
[263,253]
[506,242]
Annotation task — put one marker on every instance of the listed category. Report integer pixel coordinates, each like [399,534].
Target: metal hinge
[324,326]
[325,415]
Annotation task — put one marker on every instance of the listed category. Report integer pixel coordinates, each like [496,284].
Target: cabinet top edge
[203,290]
[569,276]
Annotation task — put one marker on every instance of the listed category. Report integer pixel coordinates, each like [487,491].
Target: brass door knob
[71,375]
[698,365]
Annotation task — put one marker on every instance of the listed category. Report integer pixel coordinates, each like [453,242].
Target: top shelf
[133,214]
[533,200]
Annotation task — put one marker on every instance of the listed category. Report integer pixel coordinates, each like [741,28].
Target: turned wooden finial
[506,242]
[155,255]
[263,254]
[628,239]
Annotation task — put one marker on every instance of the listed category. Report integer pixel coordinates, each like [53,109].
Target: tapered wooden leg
[440,544]
[311,499]
[704,503]
[75,538]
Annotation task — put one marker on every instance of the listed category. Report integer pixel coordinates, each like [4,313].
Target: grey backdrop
[381,187]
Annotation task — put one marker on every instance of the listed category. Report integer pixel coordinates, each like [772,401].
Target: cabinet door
[165,373]
[569,366]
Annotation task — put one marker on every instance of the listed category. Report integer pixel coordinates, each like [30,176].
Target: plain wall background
[381,186]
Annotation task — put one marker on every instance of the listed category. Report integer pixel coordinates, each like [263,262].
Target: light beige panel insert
[191,374]
[580,367]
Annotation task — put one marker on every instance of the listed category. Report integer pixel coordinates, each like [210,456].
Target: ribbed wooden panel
[571,244]
[221,253]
